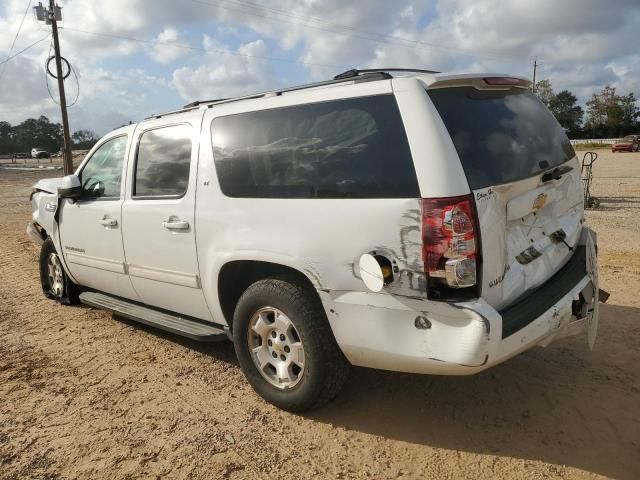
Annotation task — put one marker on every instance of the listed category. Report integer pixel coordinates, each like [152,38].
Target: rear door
[158,217]
[526,181]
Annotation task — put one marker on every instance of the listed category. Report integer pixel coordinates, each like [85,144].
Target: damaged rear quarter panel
[323,239]
[379,330]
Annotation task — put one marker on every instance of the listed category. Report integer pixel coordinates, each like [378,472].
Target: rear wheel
[285,346]
[54,280]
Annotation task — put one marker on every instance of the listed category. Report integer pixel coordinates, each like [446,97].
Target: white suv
[418,222]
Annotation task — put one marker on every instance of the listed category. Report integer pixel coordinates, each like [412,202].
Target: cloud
[27,95]
[168,46]
[224,72]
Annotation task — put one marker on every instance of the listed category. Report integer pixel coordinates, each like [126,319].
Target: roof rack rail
[358,77]
[197,103]
[370,76]
[354,72]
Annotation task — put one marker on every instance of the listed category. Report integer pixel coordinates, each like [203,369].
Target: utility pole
[67,158]
[535,66]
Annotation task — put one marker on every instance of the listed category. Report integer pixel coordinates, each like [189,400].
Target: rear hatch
[525,180]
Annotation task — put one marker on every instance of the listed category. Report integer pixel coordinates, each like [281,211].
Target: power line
[202,49]
[4,64]
[335,28]
[24,49]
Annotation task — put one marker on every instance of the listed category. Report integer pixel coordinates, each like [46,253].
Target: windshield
[501,136]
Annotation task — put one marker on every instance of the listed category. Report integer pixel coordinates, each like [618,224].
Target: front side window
[163,160]
[352,148]
[102,174]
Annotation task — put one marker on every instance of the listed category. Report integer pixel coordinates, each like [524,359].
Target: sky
[133,58]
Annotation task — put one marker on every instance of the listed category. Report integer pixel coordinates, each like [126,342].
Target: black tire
[68,293]
[325,367]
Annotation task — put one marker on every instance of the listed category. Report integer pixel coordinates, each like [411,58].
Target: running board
[194,329]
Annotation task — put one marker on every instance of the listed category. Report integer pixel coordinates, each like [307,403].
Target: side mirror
[96,189]
[70,187]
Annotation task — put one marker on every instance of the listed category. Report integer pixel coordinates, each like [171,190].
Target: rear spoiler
[480,81]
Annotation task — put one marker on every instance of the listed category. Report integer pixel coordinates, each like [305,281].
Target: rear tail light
[450,246]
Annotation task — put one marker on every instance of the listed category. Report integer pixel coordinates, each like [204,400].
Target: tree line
[608,114]
[41,133]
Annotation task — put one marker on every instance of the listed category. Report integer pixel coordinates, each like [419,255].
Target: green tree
[630,112]
[544,91]
[84,139]
[565,108]
[6,138]
[610,114]
[38,132]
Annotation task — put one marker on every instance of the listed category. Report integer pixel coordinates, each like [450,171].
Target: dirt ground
[86,395]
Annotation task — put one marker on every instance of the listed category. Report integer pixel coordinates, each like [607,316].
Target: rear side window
[354,148]
[163,160]
[501,136]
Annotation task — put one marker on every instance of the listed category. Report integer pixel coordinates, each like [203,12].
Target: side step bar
[190,328]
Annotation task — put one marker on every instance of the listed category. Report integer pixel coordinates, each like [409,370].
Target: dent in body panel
[367,325]
[43,216]
[313,275]
[513,220]
[409,279]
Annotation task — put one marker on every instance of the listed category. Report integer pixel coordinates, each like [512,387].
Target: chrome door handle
[172,224]
[108,222]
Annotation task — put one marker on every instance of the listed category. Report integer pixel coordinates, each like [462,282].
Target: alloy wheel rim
[55,275]
[276,348]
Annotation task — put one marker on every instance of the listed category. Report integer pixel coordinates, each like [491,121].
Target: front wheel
[54,280]
[285,346]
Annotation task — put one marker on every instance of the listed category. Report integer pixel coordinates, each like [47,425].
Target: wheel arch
[236,276]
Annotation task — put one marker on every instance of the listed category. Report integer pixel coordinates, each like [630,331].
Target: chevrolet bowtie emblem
[540,201]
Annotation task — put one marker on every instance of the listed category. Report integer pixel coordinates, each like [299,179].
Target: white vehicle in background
[395,219]
[39,153]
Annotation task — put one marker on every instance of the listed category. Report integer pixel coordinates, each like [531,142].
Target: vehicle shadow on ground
[221,350]
[553,405]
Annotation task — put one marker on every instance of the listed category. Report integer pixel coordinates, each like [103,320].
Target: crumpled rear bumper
[412,335]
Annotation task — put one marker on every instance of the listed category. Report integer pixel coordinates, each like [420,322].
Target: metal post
[535,66]
[67,158]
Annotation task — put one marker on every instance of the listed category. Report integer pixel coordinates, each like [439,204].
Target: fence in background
[604,141]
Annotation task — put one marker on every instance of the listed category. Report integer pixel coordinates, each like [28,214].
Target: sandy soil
[87,395]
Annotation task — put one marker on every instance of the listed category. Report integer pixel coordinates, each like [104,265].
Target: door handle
[175,224]
[108,222]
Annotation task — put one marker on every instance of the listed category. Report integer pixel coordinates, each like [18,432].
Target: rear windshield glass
[501,137]
[353,148]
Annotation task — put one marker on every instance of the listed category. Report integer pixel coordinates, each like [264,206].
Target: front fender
[44,211]
[44,219]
